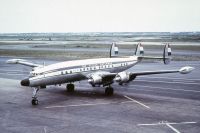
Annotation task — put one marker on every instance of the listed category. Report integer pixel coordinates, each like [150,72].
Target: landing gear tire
[109,91]
[34,102]
[121,84]
[70,87]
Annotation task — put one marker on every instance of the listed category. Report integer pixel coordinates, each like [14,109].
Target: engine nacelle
[95,79]
[122,77]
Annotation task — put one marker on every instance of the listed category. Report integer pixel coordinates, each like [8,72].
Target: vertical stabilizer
[167,54]
[114,51]
[139,50]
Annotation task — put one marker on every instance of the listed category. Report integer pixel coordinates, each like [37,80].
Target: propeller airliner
[98,72]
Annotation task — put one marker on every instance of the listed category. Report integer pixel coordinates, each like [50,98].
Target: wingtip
[186,69]
[14,61]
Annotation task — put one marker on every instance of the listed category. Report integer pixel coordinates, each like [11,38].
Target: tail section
[167,54]
[114,51]
[139,51]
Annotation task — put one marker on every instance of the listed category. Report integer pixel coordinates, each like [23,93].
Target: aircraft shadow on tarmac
[59,95]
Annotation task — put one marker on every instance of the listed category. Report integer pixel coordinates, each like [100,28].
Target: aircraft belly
[60,79]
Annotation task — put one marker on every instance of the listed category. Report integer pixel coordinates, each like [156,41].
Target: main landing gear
[34,97]
[109,91]
[70,87]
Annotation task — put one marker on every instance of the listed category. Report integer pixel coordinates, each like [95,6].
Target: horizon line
[104,32]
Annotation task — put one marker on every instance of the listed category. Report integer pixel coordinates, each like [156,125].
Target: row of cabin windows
[94,68]
[89,68]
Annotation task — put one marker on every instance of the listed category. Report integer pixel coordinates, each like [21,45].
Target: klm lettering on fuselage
[96,67]
[100,64]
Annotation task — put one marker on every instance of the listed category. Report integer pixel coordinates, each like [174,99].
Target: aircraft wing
[107,78]
[23,62]
[124,77]
[153,72]
[183,70]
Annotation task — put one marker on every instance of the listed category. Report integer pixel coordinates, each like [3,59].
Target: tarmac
[164,103]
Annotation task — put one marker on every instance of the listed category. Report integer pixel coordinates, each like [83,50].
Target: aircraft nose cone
[25,82]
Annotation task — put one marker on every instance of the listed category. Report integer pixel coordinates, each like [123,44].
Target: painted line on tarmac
[168,124]
[137,102]
[177,80]
[87,104]
[174,129]
[78,105]
[165,88]
[45,130]
[169,82]
[165,122]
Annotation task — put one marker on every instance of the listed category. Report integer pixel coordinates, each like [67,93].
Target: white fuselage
[70,71]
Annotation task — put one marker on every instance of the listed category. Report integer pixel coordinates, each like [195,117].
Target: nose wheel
[34,97]
[34,102]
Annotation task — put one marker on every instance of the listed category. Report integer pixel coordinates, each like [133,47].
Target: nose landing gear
[34,102]
[34,97]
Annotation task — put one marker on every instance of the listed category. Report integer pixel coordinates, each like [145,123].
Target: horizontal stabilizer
[166,54]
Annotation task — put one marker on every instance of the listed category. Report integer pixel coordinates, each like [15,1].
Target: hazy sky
[99,15]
